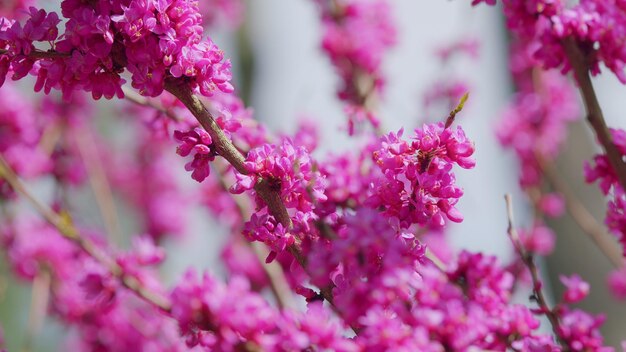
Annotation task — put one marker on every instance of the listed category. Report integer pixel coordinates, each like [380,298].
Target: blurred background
[280,69]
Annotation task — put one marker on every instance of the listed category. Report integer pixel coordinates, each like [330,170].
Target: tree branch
[38,54]
[225,148]
[66,229]
[528,260]
[580,65]
[581,215]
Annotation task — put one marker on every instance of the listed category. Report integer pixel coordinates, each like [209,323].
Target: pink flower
[575,288]
[617,283]
[196,141]
[552,204]
[539,239]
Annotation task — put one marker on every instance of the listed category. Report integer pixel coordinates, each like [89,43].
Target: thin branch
[528,260]
[99,183]
[65,227]
[579,63]
[132,96]
[38,308]
[581,215]
[274,272]
[38,54]
[225,148]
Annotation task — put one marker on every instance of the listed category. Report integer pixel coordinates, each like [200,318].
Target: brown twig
[65,227]
[38,54]
[581,215]
[595,117]
[132,96]
[528,260]
[38,308]
[99,183]
[225,148]
[274,272]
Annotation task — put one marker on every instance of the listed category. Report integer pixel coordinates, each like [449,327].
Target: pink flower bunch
[20,132]
[576,288]
[146,179]
[221,317]
[85,295]
[288,170]
[226,12]
[357,35]
[348,178]
[199,142]
[15,8]
[597,26]
[418,185]
[152,40]
[539,239]
[368,263]
[582,331]
[601,170]
[536,122]
[617,283]
[360,231]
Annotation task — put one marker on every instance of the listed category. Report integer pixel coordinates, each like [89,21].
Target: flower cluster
[360,231]
[145,178]
[152,40]
[20,133]
[418,186]
[245,318]
[535,123]
[602,172]
[288,170]
[595,25]
[85,295]
[368,263]
[357,35]
[199,142]
[227,12]
[14,8]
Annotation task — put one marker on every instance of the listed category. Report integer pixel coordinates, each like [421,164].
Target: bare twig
[274,272]
[582,216]
[528,260]
[38,308]
[132,96]
[99,183]
[595,117]
[228,151]
[65,227]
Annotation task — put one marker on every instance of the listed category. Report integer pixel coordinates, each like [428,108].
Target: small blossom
[199,142]
[576,289]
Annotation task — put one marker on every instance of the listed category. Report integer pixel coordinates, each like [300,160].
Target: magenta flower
[196,141]
[575,288]
[418,186]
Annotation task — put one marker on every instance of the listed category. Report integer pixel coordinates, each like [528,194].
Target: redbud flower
[617,283]
[552,204]
[199,142]
[539,239]
[419,187]
[576,289]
